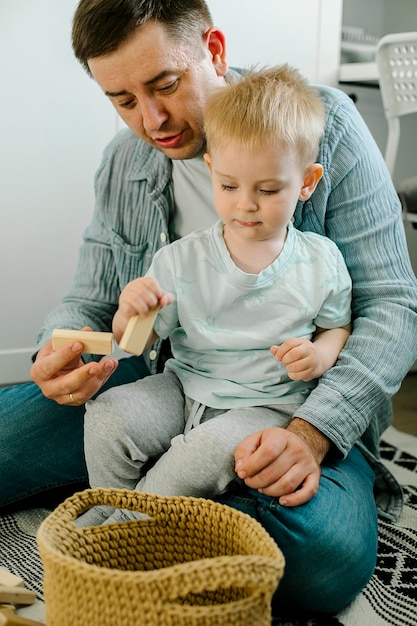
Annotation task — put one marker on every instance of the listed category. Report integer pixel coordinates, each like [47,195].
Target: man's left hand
[283,462]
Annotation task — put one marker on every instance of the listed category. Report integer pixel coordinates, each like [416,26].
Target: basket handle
[250,571]
[82,501]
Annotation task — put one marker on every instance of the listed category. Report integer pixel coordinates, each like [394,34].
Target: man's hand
[64,377]
[283,462]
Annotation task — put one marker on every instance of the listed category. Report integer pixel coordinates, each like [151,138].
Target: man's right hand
[63,376]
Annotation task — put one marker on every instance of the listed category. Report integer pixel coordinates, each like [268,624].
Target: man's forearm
[318,443]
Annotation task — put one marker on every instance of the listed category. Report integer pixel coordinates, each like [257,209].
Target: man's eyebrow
[151,81]
[114,94]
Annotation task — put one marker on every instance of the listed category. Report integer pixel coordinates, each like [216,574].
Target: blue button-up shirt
[355,205]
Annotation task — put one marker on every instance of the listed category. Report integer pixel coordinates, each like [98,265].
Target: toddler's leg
[125,428]
[201,462]
[130,425]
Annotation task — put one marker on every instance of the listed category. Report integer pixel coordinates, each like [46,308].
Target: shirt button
[152,355]
[163,237]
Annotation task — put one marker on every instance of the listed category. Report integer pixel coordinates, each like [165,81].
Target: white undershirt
[193,196]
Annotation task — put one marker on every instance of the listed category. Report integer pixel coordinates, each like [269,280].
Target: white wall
[305,33]
[380,17]
[54,123]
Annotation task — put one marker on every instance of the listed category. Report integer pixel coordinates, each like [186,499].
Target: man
[309,484]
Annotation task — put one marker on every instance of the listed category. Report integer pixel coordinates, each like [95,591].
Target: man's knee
[326,571]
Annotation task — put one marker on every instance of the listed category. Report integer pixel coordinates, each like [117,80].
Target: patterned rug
[390,598]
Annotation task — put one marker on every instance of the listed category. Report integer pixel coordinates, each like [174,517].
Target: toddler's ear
[207,160]
[311,178]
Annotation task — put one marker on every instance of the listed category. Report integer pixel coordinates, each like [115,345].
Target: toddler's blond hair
[273,106]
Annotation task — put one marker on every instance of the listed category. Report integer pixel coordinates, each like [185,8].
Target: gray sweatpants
[149,436]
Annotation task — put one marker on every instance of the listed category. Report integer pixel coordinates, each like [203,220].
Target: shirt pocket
[131,261]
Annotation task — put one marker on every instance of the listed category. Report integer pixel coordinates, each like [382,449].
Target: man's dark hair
[100,26]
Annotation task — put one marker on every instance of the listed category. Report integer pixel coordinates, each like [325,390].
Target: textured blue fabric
[329,543]
[355,205]
[41,441]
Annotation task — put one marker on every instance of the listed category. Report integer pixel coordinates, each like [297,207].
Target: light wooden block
[17,595]
[7,579]
[94,343]
[137,333]
[11,619]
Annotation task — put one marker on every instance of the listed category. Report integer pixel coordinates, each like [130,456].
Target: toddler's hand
[300,357]
[139,297]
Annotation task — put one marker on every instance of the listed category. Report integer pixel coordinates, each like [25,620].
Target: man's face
[159,86]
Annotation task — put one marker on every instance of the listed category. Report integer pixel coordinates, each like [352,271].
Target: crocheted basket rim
[202,591]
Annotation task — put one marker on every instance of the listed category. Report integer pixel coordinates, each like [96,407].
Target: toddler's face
[256,190]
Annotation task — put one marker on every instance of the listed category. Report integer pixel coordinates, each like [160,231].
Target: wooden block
[7,607]
[7,579]
[137,333]
[94,343]
[16,595]
[11,619]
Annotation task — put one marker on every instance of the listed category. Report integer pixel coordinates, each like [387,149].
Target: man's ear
[311,178]
[216,43]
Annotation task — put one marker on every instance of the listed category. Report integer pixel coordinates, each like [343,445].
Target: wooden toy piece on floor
[93,342]
[4,608]
[7,579]
[138,332]
[12,593]
[17,595]
[11,619]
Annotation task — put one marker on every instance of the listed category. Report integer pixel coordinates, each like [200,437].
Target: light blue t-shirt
[224,321]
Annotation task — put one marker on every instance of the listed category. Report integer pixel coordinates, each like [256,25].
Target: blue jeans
[41,441]
[329,543]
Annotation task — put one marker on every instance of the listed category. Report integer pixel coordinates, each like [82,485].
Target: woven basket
[193,562]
